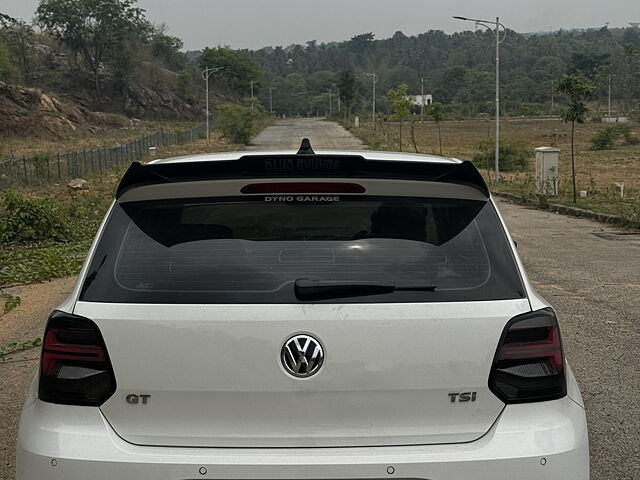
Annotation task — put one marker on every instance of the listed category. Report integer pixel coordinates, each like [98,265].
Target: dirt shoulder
[25,322]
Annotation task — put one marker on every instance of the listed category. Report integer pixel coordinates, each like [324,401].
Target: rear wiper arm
[306,289]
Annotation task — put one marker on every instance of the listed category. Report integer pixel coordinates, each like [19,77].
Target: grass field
[17,146]
[597,172]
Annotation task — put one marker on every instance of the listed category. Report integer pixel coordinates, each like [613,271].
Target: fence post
[24,165]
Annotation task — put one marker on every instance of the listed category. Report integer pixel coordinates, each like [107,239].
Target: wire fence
[45,168]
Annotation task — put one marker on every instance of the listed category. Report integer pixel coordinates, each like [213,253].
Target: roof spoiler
[300,165]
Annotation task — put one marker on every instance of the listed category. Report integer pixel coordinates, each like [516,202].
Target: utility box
[547,170]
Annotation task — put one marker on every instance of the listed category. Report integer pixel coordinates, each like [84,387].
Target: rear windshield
[253,249]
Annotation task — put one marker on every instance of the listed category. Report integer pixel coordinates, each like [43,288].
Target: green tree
[235,122]
[183,82]
[296,100]
[578,90]
[19,39]
[167,49]
[238,68]
[348,85]
[436,112]
[7,69]
[122,67]
[400,105]
[98,29]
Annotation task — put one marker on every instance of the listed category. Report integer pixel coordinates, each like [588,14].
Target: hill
[30,111]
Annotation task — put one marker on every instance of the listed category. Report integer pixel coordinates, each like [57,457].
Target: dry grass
[597,172]
[16,147]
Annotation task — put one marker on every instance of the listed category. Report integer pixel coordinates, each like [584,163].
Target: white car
[282,315]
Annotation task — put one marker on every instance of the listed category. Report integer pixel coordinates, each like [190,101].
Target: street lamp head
[460,18]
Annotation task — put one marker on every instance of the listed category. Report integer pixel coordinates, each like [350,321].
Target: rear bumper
[532,441]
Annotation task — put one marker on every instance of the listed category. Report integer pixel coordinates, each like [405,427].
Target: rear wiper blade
[306,289]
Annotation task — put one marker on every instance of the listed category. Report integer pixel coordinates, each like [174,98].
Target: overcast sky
[258,23]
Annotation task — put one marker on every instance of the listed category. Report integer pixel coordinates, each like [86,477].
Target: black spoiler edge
[297,166]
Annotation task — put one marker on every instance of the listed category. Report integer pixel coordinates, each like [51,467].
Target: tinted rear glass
[252,249]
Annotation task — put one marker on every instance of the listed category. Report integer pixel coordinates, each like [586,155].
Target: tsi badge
[463,397]
[134,399]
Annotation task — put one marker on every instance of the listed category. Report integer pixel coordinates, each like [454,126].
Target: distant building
[420,100]
[635,24]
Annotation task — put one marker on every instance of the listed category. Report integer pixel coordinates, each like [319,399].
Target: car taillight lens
[75,367]
[529,363]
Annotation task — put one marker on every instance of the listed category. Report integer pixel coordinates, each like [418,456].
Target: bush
[514,155]
[235,122]
[604,139]
[627,137]
[40,162]
[28,220]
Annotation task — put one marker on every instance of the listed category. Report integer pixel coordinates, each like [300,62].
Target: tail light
[75,367]
[529,363]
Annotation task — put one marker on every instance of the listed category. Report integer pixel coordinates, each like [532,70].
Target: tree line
[458,69]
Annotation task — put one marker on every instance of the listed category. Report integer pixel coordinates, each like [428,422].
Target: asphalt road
[591,275]
[588,271]
[288,134]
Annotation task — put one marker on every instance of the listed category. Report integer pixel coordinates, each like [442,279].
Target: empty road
[588,271]
[288,134]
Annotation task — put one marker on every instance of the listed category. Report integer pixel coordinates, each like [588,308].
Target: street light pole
[206,73]
[497,98]
[489,25]
[374,79]
[271,89]
[330,101]
[422,98]
[251,83]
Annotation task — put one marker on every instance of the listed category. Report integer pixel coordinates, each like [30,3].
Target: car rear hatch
[196,287]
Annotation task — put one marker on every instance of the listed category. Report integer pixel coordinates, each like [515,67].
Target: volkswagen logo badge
[302,356]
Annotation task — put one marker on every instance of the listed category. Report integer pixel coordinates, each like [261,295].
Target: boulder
[78,184]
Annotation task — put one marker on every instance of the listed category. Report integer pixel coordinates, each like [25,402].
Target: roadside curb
[571,211]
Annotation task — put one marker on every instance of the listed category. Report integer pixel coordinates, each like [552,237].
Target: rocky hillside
[49,86]
[30,111]
[152,94]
